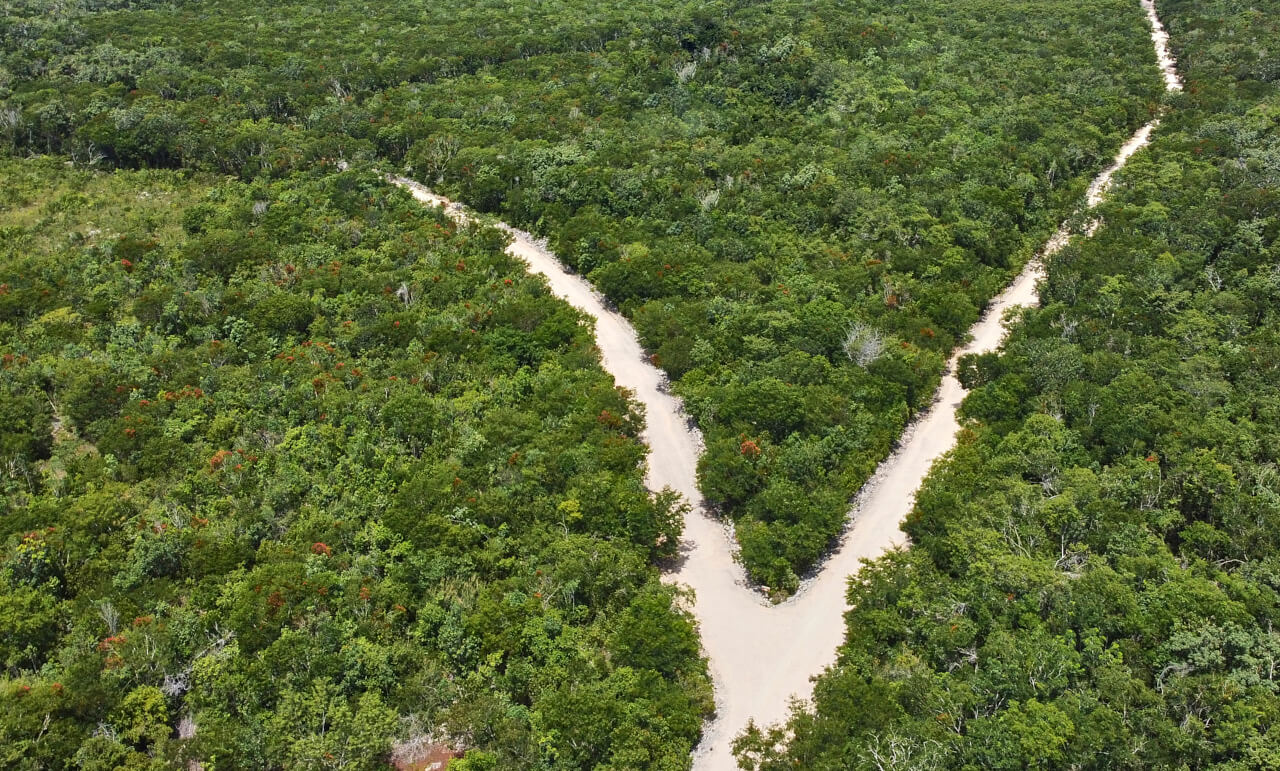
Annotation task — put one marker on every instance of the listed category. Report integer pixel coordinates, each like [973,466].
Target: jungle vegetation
[297,474]
[1094,580]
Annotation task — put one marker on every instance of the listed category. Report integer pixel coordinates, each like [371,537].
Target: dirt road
[764,655]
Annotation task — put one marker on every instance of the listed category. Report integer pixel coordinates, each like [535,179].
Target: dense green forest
[296,470]
[801,206]
[298,474]
[1094,580]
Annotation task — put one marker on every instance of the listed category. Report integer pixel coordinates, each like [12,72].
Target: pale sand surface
[761,655]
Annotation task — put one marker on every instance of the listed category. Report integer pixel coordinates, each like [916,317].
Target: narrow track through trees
[762,655]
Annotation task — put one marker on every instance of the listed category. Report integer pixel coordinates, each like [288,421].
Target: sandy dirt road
[762,655]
